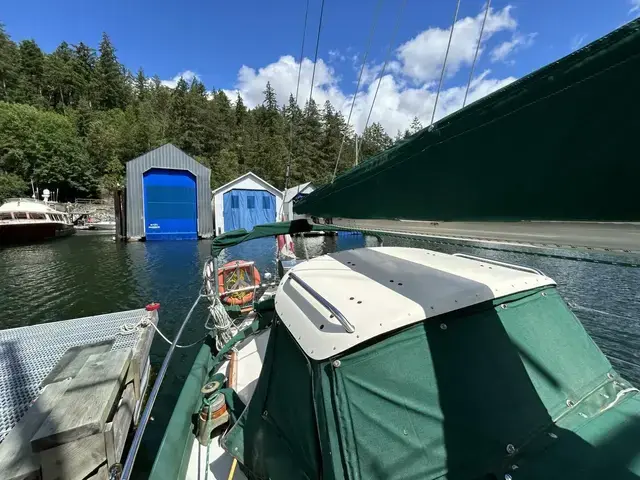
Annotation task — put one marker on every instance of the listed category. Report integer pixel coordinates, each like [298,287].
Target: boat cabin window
[37,216]
[56,217]
[251,201]
[5,216]
[20,215]
[266,203]
[235,201]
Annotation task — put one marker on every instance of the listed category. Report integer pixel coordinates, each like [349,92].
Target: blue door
[247,208]
[170,206]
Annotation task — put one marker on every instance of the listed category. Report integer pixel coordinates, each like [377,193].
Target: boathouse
[292,195]
[168,196]
[245,202]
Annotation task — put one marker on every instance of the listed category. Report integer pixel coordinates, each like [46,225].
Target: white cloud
[505,49]
[408,88]
[635,7]
[423,55]
[577,40]
[188,75]
[336,55]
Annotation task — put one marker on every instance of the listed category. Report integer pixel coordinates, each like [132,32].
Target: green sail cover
[558,144]
[516,381]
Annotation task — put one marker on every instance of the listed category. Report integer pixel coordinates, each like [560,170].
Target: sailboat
[403,363]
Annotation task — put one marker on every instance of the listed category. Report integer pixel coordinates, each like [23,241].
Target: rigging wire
[355,95]
[475,57]
[386,61]
[444,64]
[315,57]
[288,170]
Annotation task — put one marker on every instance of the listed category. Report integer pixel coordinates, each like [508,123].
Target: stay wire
[315,57]
[475,57]
[372,31]
[386,61]
[288,170]
[444,64]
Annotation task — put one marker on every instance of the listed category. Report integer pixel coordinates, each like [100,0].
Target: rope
[475,57]
[222,323]
[355,95]
[384,67]
[131,328]
[315,58]
[444,65]
[288,169]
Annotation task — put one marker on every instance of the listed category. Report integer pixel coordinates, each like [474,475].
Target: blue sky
[240,45]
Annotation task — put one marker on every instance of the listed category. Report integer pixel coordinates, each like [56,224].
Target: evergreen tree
[374,140]
[141,84]
[110,81]
[31,73]
[84,65]
[9,66]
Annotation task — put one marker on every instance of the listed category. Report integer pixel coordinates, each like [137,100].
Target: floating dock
[70,392]
[614,237]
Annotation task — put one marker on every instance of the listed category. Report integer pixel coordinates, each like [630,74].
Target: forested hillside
[71,119]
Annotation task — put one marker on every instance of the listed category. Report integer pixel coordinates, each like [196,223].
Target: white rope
[131,328]
[475,57]
[355,95]
[619,396]
[222,323]
[444,64]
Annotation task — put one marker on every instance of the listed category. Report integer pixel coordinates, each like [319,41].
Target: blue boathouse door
[247,208]
[170,205]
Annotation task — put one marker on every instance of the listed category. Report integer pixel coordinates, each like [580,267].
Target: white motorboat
[25,220]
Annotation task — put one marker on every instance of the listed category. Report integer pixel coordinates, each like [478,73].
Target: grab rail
[348,326]
[503,264]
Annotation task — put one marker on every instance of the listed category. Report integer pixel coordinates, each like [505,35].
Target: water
[90,274]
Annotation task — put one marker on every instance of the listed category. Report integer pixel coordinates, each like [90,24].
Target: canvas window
[235,201]
[251,201]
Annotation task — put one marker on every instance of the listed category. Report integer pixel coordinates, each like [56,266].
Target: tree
[110,81]
[11,185]
[83,65]
[374,140]
[141,84]
[44,146]
[31,73]
[415,127]
[9,66]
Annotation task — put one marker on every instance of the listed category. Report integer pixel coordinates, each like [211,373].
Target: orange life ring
[225,274]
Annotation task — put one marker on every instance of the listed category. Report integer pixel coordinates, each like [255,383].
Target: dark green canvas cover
[512,386]
[236,237]
[558,144]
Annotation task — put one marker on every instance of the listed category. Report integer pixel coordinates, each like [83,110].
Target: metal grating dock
[28,354]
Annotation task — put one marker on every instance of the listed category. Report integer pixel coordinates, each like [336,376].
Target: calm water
[90,274]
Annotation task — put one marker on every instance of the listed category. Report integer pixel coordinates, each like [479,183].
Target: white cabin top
[381,289]
[26,205]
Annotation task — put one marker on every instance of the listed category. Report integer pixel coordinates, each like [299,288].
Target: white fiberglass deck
[28,354]
[379,290]
[250,358]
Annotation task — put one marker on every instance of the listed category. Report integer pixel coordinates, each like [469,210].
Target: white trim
[242,177]
[382,289]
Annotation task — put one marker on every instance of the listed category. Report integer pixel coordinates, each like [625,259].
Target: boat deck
[250,358]
[28,354]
